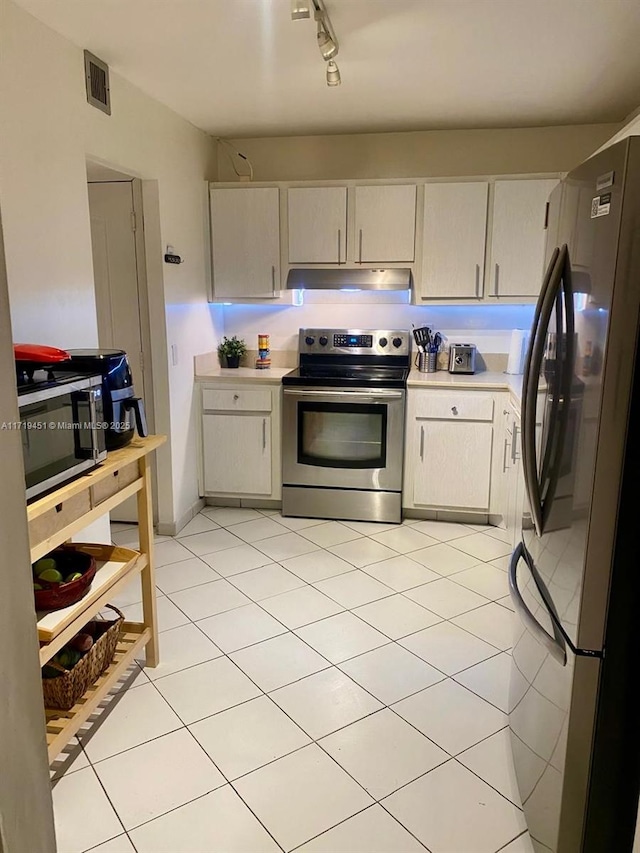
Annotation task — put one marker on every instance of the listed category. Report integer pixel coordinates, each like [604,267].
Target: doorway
[117,240]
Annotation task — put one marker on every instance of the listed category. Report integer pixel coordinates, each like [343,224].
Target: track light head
[300,10]
[333,74]
[328,48]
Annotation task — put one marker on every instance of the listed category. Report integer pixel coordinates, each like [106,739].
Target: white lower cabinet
[449,450]
[238,453]
[454,464]
[240,442]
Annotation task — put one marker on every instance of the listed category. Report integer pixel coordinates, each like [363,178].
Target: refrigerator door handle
[555,643]
[567,345]
[531,380]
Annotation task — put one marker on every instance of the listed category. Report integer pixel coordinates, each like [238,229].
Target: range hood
[349,279]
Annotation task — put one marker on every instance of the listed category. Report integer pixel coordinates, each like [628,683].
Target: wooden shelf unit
[62,725]
[56,517]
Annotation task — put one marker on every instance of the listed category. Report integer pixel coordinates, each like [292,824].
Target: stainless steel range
[343,425]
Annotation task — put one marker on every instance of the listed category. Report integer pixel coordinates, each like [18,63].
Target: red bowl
[55,596]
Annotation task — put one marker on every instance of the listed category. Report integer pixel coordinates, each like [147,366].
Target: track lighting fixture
[333,74]
[300,10]
[326,37]
[328,48]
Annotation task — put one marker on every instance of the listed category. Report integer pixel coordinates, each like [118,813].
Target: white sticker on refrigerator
[601,205]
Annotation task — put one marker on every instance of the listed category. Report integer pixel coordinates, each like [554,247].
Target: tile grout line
[366,808]
[184,726]
[228,782]
[515,838]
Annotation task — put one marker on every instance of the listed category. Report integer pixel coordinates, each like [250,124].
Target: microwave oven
[63,435]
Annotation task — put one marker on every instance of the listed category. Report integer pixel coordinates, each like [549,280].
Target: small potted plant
[231,350]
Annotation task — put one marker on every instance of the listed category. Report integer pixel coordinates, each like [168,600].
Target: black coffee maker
[121,407]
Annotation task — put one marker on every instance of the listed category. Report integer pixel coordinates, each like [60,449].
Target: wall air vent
[96,75]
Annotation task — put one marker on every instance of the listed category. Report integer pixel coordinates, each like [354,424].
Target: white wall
[486,326]
[43,151]
[26,819]
[435,153]
[43,185]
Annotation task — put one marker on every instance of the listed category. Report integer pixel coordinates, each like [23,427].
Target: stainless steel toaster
[462,358]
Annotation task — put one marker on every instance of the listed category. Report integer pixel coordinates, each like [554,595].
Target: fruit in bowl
[50,576]
[62,577]
[42,565]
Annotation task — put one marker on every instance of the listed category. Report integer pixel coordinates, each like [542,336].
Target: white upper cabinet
[385,224]
[245,241]
[454,239]
[518,237]
[317,219]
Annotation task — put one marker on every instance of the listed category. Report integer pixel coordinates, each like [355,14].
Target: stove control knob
[309,340]
[324,340]
[397,342]
[383,342]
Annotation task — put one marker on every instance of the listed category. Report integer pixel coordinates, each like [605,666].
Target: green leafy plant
[231,348]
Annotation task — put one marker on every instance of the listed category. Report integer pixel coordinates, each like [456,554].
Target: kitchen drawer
[110,485]
[50,522]
[239,400]
[438,405]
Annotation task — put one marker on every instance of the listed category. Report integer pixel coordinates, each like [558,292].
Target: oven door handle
[347,395]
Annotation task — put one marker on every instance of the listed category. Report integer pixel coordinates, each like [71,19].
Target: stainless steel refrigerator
[575,577]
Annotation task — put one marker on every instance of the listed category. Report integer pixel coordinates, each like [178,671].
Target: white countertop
[249,375]
[484,381]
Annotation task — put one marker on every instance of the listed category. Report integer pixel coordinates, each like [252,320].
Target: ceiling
[244,68]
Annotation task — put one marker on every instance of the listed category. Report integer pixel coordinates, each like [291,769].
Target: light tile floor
[324,687]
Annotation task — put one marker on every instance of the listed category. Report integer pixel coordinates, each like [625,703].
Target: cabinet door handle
[504,456]
[454,409]
[264,433]
[339,246]
[360,247]
[514,445]
[236,397]
[496,277]
[422,444]
[478,281]
[273,278]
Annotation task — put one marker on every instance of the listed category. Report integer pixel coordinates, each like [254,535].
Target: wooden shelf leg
[145,532]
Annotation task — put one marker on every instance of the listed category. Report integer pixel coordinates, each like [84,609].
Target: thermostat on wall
[170,256]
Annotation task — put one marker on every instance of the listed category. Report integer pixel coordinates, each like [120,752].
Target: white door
[518,236]
[115,272]
[317,219]
[385,224]
[237,454]
[454,464]
[245,241]
[454,239]
[118,298]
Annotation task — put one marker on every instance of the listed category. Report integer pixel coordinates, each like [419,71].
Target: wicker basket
[64,691]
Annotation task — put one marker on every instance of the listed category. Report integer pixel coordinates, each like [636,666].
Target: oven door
[351,439]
